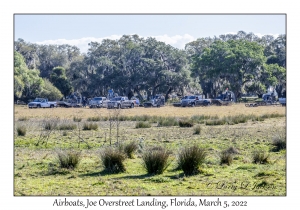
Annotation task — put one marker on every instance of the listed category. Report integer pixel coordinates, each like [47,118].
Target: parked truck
[120,102]
[42,103]
[98,102]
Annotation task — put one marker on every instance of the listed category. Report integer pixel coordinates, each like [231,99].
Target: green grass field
[37,170]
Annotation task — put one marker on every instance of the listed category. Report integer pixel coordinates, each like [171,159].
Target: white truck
[42,103]
[98,102]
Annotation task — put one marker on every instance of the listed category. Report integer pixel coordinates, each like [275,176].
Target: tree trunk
[167,94]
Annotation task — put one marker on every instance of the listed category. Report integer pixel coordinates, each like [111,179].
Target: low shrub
[131,148]
[190,159]
[21,130]
[113,160]
[50,125]
[197,129]
[142,124]
[156,160]
[90,126]
[260,157]
[68,158]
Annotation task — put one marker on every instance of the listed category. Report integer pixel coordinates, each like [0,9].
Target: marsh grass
[197,130]
[142,124]
[68,159]
[113,160]
[190,159]
[130,148]
[67,126]
[261,157]
[156,160]
[77,119]
[21,130]
[279,143]
[90,126]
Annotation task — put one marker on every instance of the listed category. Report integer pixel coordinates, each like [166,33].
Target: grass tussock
[185,123]
[21,130]
[226,157]
[130,148]
[90,126]
[113,160]
[167,121]
[197,130]
[156,160]
[215,122]
[190,159]
[68,158]
[279,143]
[67,126]
[23,118]
[261,157]
[142,124]
[77,119]
[94,119]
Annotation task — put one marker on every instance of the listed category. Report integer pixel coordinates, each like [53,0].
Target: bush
[232,150]
[130,148]
[226,157]
[68,158]
[67,127]
[260,157]
[77,119]
[155,160]
[142,124]
[21,130]
[190,158]
[112,160]
[94,119]
[279,143]
[90,126]
[185,123]
[197,129]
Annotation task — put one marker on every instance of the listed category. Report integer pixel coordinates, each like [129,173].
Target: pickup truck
[98,102]
[189,100]
[42,103]
[120,102]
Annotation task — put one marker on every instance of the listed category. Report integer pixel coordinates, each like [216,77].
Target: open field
[37,171]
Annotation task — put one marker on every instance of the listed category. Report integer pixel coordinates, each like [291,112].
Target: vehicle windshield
[116,99]
[189,97]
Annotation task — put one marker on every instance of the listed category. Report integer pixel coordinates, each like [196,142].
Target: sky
[176,30]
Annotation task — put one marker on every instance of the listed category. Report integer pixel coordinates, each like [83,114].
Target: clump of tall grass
[216,122]
[21,130]
[77,119]
[197,129]
[50,125]
[167,121]
[113,160]
[142,124]
[130,148]
[190,159]
[23,118]
[156,160]
[67,126]
[90,126]
[68,158]
[260,157]
[279,143]
[201,118]
[185,123]
[226,157]
[94,119]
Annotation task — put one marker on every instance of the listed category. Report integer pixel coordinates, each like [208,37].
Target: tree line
[132,65]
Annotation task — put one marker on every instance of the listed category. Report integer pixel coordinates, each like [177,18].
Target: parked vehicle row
[42,103]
